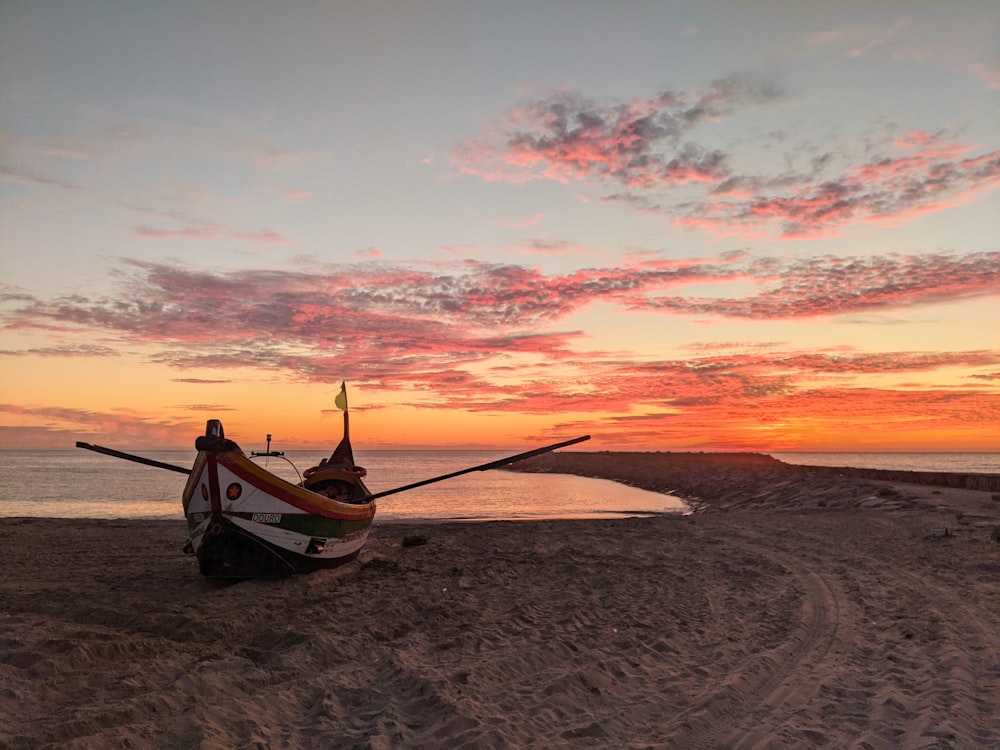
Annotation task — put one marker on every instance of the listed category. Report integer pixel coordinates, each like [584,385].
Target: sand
[764,620]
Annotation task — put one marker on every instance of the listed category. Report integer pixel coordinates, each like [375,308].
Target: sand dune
[868,623]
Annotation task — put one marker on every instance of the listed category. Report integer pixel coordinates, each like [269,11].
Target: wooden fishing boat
[246,522]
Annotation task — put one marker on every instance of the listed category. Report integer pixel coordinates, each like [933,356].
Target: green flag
[341,400]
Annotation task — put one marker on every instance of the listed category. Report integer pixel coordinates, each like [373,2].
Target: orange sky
[667,227]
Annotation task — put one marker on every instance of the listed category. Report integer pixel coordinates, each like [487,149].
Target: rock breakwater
[727,481]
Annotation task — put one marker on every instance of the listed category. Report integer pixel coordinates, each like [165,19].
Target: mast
[343,451]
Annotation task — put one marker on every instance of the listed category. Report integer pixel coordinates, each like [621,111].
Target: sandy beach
[796,608]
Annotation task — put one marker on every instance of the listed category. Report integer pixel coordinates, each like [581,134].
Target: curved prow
[214,440]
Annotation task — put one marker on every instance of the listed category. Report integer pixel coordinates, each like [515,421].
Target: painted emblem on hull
[234,490]
[204,493]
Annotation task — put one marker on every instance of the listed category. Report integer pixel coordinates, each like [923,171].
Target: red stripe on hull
[294,496]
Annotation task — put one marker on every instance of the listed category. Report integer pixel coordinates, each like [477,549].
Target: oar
[131,457]
[484,467]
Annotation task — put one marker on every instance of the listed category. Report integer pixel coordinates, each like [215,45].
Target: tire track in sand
[888,647]
[779,680]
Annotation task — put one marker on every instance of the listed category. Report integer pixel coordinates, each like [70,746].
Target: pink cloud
[456,305]
[59,427]
[184,226]
[567,137]
[915,139]
[552,247]
[988,72]
[643,147]
[66,350]
[929,177]
[810,419]
[185,233]
[457,329]
[266,236]
[446,328]
[834,286]
[210,231]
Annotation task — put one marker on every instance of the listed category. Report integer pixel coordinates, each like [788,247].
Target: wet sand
[793,610]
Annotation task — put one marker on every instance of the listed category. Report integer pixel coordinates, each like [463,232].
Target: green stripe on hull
[308,525]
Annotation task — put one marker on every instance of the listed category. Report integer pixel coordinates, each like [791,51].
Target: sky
[740,225]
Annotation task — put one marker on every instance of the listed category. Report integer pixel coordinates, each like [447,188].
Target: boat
[245,521]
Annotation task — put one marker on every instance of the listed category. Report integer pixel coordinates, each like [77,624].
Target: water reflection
[79,484]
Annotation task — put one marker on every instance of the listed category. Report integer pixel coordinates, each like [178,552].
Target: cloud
[522,223]
[26,177]
[724,345]
[765,399]
[451,312]
[878,41]
[191,227]
[74,350]
[989,73]
[454,334]
[645,150]
[811,419]
[60,427]
[929,176]
[552,247]
[830,285]
[210,231]
[566,136]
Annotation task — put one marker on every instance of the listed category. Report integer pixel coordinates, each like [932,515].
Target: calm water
[82,484]
[960,463]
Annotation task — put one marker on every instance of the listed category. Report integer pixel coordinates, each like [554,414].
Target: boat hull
[245,522]
[225,550]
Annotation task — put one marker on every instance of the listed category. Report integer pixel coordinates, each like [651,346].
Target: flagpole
[341,402]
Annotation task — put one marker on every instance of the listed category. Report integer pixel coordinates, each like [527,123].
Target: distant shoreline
[718,481]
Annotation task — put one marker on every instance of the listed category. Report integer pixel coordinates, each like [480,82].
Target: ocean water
[959,463]
[82,484]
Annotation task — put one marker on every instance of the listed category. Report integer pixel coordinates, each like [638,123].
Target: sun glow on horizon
[692,245]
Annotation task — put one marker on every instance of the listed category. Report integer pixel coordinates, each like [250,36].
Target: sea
[954,463]
[82,484]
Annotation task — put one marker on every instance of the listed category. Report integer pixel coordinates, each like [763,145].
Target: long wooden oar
[483,467]
[131,457]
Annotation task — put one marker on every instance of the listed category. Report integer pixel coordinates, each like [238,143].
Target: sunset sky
[741,225]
